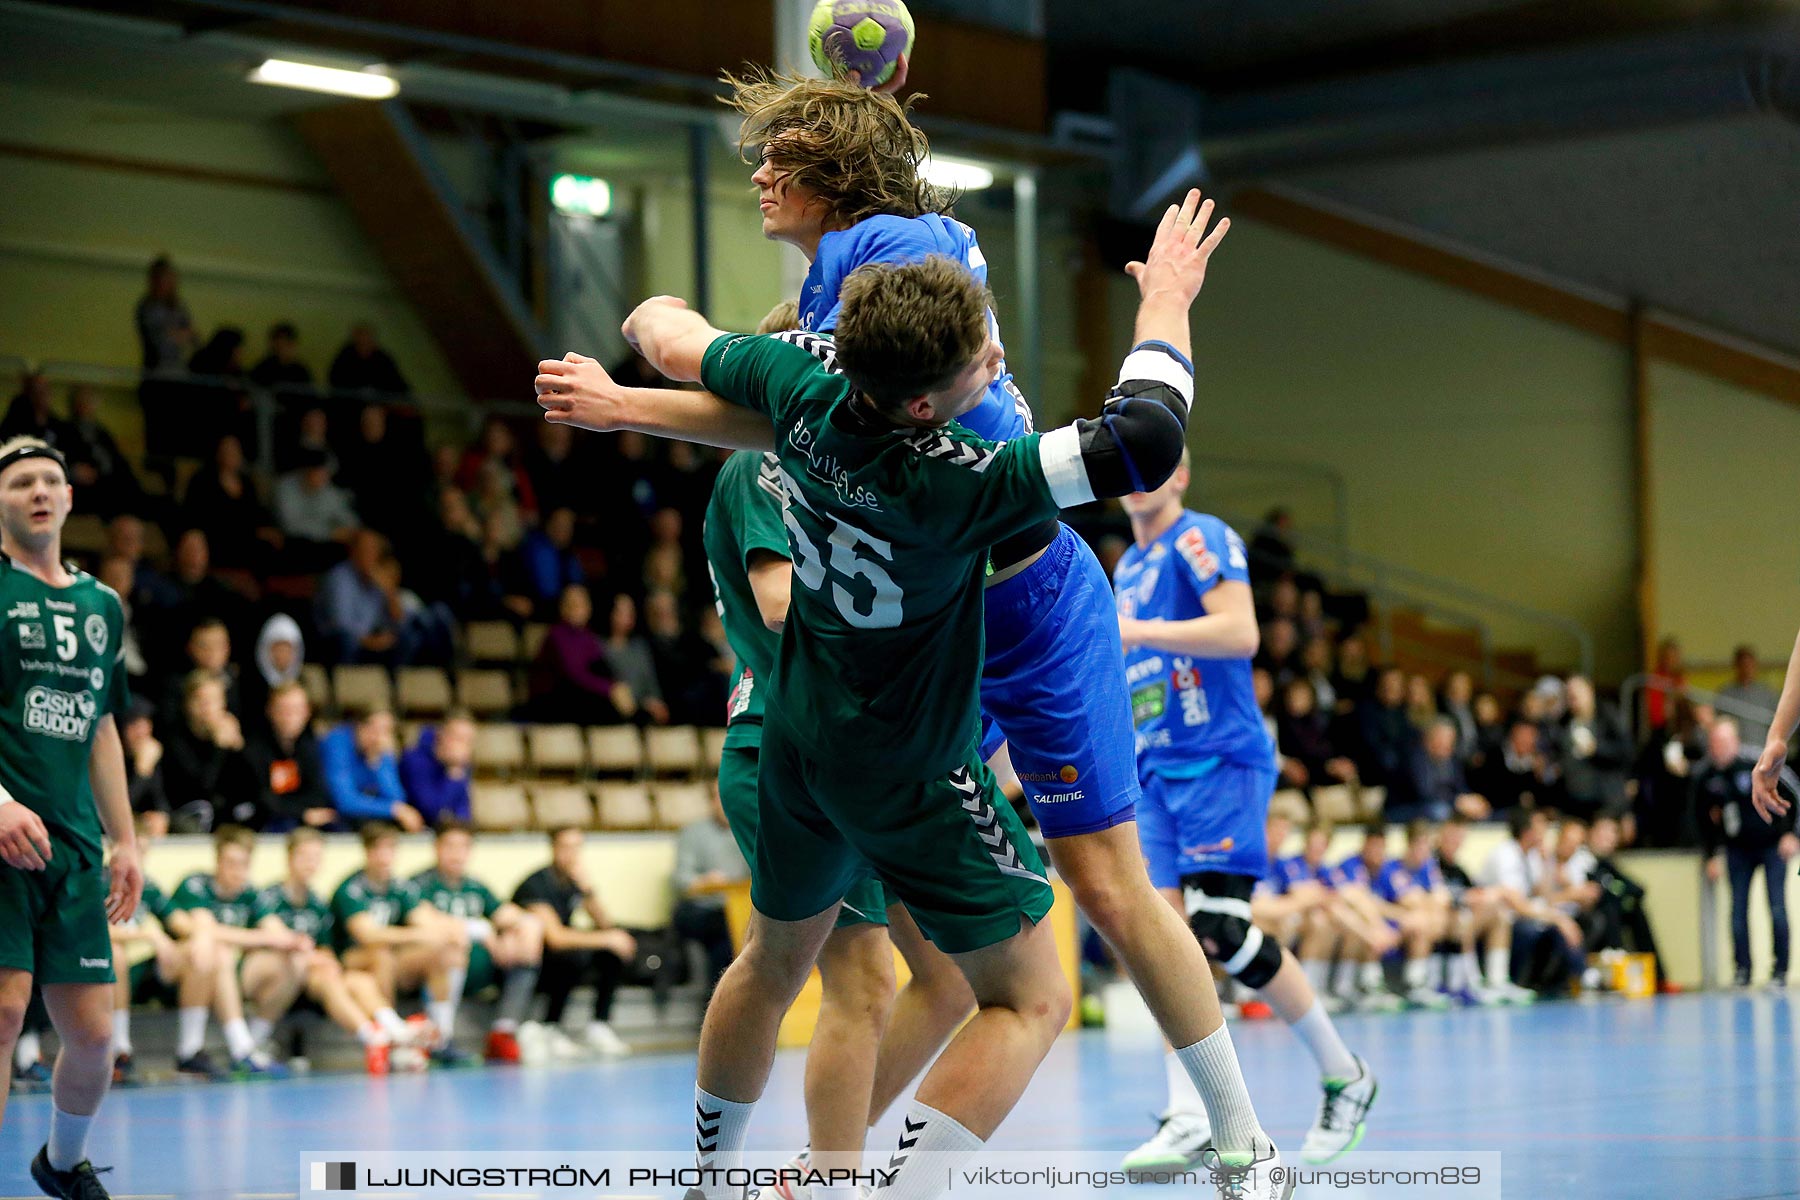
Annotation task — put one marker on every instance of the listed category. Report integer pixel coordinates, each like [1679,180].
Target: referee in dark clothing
[1739,840]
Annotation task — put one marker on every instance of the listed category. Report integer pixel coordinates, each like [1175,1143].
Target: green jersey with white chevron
[388,904]
[744,518]
[888,529]
[309,916]
[201,891]
[60,673]
[467,899]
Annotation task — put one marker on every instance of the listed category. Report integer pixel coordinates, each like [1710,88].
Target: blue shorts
[1053,689]
[1214,820]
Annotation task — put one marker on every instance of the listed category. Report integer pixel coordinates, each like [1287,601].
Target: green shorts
[951,849]
[53,922]
[867,900]
[483,974]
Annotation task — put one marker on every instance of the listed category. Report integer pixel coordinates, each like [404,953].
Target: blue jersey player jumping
[1188,623]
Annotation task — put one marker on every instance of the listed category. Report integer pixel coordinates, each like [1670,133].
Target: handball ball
[866,36]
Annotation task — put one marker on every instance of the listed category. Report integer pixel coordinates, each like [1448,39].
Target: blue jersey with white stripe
[1188,711]
[1352,872]
[1002,414]
[1285,873]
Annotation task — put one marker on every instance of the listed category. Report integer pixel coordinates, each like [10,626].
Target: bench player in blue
[1208,770]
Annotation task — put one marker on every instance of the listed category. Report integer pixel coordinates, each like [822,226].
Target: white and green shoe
[1339,1127]
[1180,1139]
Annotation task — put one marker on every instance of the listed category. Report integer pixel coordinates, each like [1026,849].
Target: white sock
[1213,1064]
[391,1024]
[238,1040]
[1434,972]
[1345,977]
[1465,971]
[1415,973]
[1371,976]
[837,1191]
[28,1049]
[68,1138]
[719,1130]
[443,1008]
[1328,1050]
[191,1038]
[372,1034]
[1318,973]
[932,1148]
[1499,966]
[1183,1096]
[121,1031]
[260,1029]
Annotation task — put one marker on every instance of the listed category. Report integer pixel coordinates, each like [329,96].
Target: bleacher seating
[360,688]
[624,806]
[422,691]
[672,750]
[486,693]
[556,749]
[558,804]
[615,750]
[680,804]
[499,806]
[499,750]
[492,642]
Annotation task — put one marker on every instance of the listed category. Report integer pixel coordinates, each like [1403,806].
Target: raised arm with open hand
[1173,272]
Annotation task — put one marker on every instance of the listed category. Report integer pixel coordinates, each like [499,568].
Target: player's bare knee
[12,1019]
[1109,904]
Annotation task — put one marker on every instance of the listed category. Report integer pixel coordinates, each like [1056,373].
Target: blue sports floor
[1689,1096]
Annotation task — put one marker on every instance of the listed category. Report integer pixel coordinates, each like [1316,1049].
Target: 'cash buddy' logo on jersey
[59,714]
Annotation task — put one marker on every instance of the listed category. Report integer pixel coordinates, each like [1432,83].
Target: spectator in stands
[1353,680]
[1435,788]
[218,397]
[1739,841]
[116,573]
[385,472]
[665,562]
[629,487]
[493,470]
[506,944]
[362,772]
[1282,599]
[575,956]
[104,482]
[197,593]
[549,560]
[1421,702]
[280,369]
[707,860]
[631,660]
[357,614]
[1310,759]
[1388,735]
[311,436]
[363,366]
[1667,679]
[208,655]
[143,768]
[1747,699]
[29,415]
[1515,870]
[1456,700]
[314,513]
[1664,807]
[151,590]
[1271,547]
[1314,625]
[1490,733]
[280,658]
[290,774]
[1618,920]
[208,779]
[692,687]
[164,329]
[427,631]
[1521,776]
[1315,668]
[560,472]
[1595,752]
[447,565]
[435,772]
[1262,689]
[572,678]
[240,528]
[381,928]
[503,567]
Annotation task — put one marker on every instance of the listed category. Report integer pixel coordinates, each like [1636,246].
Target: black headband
[25,452]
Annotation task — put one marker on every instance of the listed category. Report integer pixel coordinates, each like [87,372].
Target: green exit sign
[581,195]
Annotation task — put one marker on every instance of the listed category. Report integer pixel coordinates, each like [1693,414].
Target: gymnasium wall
[1725,559]
[1475,441]
[252,224]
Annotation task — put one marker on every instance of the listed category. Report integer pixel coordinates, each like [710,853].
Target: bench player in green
[380,927]
[62,779]
[506,943]
[870,753]
[220,906]
[156,976]
[275,979]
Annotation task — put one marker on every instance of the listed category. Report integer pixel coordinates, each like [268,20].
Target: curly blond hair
[853,147]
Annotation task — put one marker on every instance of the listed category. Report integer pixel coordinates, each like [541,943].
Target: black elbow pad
[1133,446]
